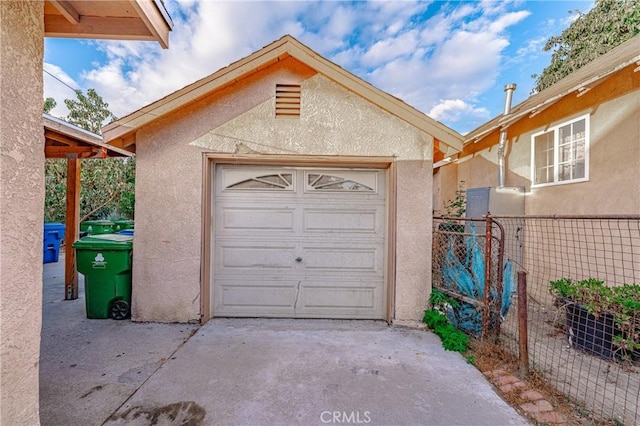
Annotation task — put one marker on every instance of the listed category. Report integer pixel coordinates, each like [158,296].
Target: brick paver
[550,417]
[510,387]
[531,395]
[506,380]
[537,408]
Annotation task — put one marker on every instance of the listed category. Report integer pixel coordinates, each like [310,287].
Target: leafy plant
[49,104]
[622,302]
[107,189]
[456,207]
[452,338]
[89,111]
[608,24]
[440,300]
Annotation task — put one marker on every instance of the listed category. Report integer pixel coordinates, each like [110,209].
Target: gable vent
[287,100]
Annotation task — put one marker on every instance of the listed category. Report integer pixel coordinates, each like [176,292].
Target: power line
[74,90]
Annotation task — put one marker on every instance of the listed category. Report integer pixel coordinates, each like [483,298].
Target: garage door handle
[298,259]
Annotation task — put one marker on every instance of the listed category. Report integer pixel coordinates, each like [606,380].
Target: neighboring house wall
[445,185]
[240,118]
[613,185]
[22,198]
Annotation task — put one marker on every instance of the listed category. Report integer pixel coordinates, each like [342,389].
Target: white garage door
[299,242]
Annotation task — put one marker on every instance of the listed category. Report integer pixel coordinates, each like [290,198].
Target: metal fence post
[487,278]
[523,336]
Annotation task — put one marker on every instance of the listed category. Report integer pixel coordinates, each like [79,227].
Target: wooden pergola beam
[67,10]
[52,136]
[65,151]
[72,230]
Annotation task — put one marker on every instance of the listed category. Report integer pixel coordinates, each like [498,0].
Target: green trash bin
[121,224]
[105,262]
[97,227]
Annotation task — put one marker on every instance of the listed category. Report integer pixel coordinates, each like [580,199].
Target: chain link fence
[577,353]
[466,254]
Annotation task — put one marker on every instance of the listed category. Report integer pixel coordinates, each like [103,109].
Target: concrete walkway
[252,372]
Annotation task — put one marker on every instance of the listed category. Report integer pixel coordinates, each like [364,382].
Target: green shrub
[452,338]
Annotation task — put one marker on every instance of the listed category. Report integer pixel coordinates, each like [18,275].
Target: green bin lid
[105,242]
[97,222]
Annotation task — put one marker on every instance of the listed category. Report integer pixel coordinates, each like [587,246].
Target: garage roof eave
[285,47]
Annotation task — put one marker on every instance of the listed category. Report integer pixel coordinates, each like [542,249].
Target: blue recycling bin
[53,235]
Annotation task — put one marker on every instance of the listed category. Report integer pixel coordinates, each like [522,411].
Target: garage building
[281,186]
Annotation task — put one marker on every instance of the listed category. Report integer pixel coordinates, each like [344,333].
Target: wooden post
[523,335]
[72,227]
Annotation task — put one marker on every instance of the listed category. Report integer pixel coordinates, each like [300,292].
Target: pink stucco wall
[613,185]
[22,200]
[335,122]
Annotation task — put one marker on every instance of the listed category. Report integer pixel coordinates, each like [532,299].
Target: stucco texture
[22,200]
[241,118]
[614,159]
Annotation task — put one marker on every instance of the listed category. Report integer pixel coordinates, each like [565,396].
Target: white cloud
[390,48]
[59,86]
[341,23]
[533,47]
[435,30]
[455,109]
[508,20]
[421,52]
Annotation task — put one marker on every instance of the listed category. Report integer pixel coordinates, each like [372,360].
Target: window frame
[556,152]
[255,174]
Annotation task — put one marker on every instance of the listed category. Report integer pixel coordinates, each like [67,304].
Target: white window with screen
[560,154]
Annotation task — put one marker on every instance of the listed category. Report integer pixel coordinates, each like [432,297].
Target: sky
[448,59]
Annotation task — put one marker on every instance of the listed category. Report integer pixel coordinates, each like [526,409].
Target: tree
[89,112]
[107,188]
[49,104]
[608,24]
[107,185]
[55,171]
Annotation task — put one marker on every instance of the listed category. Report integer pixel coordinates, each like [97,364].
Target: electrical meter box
[505,201]
[497,201]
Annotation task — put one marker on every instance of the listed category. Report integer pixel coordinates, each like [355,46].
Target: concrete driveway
[251,372]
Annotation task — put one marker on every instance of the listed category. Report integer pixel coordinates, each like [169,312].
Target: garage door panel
[258,295]
[341,300]
[257,219]
[341,260]
[256,257]
[338,297]
[363,221]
